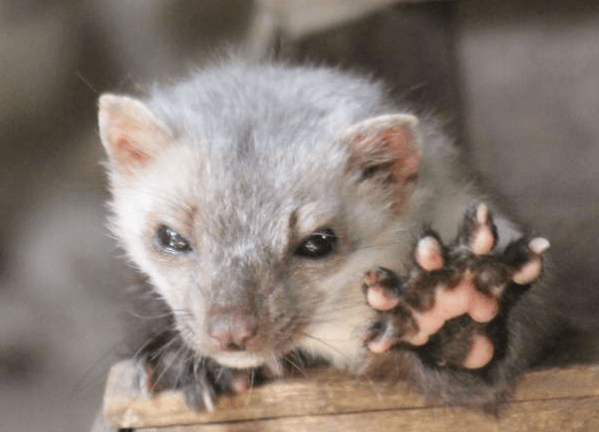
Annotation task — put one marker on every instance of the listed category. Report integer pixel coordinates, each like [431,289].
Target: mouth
[269,357]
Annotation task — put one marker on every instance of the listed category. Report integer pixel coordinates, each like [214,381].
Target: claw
[539,245]
[208,401]
[146,377]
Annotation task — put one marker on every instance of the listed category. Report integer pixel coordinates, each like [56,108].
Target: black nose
[232,330]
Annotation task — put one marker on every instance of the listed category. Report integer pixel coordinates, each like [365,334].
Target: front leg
[167,363]
[451,310]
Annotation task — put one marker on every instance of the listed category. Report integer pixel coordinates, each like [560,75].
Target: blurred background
[516,81]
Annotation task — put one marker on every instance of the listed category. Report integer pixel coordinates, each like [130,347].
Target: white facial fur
[229,172]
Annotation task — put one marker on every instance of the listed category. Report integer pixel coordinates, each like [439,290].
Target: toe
[482,238]
[417,339]
[381,344]
[380,298]
[480,354]
[383,341]
[531,270]
[429,253]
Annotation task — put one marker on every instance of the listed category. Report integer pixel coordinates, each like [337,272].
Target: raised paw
[445,301]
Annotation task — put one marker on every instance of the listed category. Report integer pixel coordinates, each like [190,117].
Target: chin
[240,360]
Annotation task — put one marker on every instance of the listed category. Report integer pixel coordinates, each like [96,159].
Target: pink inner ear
[129,141]
[406,161]
[396,144]
[127,144]
[395,147]
[405,155]
[131,133]
[126,152]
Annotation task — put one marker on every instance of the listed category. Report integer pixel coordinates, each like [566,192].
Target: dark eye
[319,244]
[171,241]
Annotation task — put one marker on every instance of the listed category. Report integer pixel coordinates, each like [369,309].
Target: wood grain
[570,415]
[550,400]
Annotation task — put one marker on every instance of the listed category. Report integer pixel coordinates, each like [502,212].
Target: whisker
[165,369]
[158,352]
[295,366]
[149,317]
[182,370]
[309,336]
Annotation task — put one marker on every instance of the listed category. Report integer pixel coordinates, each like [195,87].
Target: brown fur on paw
[461,284]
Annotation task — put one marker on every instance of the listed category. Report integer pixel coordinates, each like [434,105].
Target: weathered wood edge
[556,415]
[325,393]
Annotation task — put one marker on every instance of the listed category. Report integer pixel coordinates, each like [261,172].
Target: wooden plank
[573,382]
[572,415]
[326,393]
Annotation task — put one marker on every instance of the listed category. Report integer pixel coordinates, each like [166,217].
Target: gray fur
[259,159]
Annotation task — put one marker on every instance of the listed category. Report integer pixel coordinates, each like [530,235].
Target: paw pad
[465,279]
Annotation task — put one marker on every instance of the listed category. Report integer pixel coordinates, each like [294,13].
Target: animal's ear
[130,132]
[386,148]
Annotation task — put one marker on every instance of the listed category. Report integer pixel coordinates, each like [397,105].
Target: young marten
[281,210]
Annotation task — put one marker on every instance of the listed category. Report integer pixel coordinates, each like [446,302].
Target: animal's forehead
[272,182]
[252,198]
[271,105]
[267,136]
